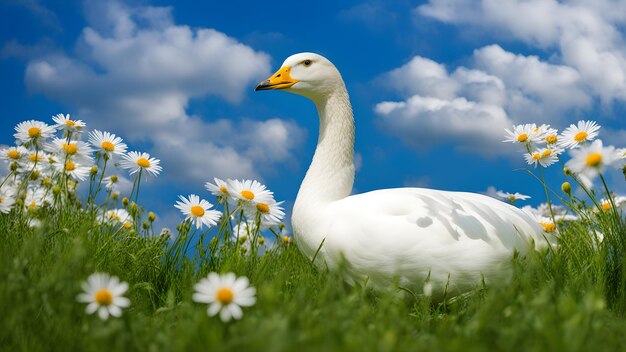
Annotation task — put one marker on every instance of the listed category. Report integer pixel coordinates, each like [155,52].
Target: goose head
[307,74]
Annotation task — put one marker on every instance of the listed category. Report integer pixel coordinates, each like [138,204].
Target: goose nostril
[278,75]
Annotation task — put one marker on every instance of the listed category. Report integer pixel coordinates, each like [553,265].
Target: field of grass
[570,297]
[555,301]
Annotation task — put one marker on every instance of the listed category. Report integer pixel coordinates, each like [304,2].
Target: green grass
[570,299]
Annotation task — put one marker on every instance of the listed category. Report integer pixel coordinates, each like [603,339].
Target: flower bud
[566,188]
[13,166]
[567,171]
[125,201]
[133,208]
[214,241]
[94,170]
[47,181]
[145,225]
[35,175]
[261,240]
[151,216]
[56,189]
[113,178]
[115,195]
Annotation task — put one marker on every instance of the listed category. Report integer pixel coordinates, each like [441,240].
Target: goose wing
[415,232]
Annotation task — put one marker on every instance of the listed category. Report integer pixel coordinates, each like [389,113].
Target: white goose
[450,239]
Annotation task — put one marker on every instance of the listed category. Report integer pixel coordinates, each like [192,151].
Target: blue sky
[432,84]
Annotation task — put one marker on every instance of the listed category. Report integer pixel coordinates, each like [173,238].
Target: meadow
[570,297]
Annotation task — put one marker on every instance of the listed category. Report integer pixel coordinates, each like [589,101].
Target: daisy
[550,135]
[37,198]
[218,189]
[107,143]
[619,201]
[271,213]
[13,154]
[7,199]
[64,123]
[523,134]
[75,169]
[576,135]
[511,197]
[197,210]
[547,224]
[592,159]
[121,216]
[249,191]
[32,131]
[111,182]
[544,157]
[135,162]
[104,293]
[225,294]
[72,149]
[242,234]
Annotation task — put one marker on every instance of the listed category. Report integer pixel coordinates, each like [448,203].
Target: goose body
[454,240]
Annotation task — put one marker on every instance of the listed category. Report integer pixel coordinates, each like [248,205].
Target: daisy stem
[545,188]
[611,200]
[238,228]
[99,188]
[138,184]
[6,178]
[188,241]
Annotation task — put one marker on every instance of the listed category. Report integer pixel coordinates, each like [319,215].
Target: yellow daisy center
[247,194]
[70,149]
[32,205]
[34,132]
[108,146]
[70,123]
[143,162]
[70,166]
[546,153]
[104,297]
[606,206]
[34,157]
[548,226]
[511,198]
[127,225]
[523,137]
[594,159]
[580,136]
[197,211]
[536,156]
[551,139]
[223,189]
[1,200]
[224,295]
[13,154]
[263,208]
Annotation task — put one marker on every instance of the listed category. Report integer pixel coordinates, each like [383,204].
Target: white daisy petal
[214,308]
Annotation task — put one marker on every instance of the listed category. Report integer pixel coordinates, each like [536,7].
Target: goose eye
[306,63]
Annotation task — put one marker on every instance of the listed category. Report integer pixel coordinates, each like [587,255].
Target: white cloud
[469,106]
[135,72]
[422,122]
[534,87]
[588,34]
